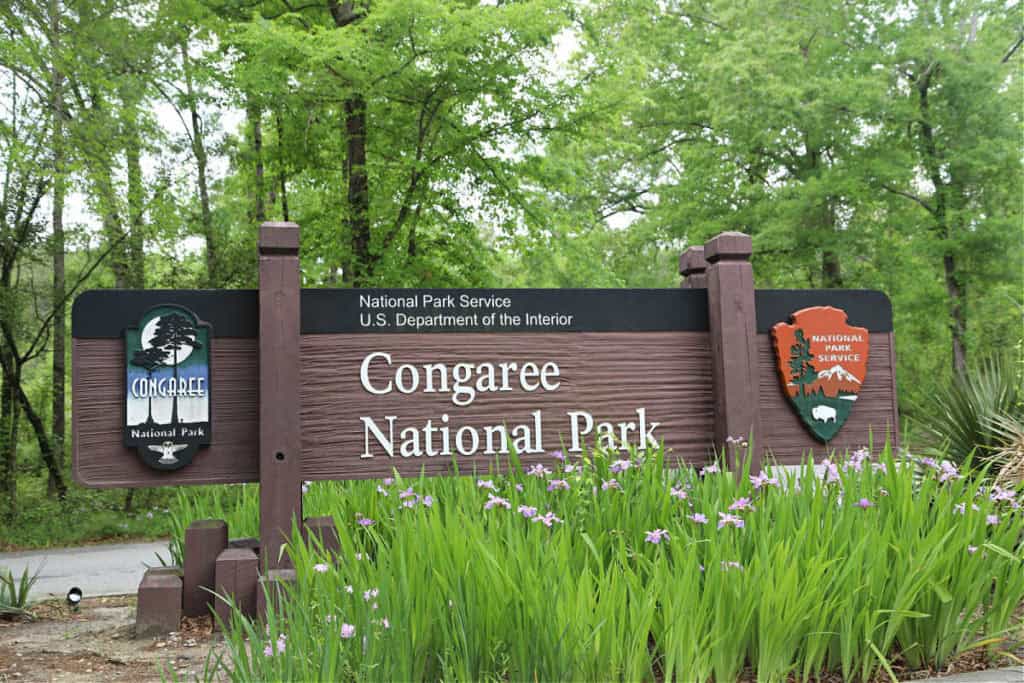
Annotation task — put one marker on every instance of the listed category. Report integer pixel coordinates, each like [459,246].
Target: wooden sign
[822,363]
[416,380]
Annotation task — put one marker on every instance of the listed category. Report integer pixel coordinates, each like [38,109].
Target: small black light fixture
[74,598]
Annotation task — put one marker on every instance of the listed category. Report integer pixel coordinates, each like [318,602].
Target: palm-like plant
[975,414]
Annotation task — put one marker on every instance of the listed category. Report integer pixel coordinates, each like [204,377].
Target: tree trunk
[958,322]
[45,447]
[281,176]
[831,275]
[255,115]
[58,383]
[136,202]
[199,151]
[360,267]
[8,437]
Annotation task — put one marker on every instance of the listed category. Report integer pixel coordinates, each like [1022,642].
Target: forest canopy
[541,143]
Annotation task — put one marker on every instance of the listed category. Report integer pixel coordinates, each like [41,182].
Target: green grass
[813,582]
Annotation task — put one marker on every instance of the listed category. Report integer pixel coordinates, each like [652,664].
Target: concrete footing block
[159,606]
[323,529]
[204,541]
[271,589]
[237,576]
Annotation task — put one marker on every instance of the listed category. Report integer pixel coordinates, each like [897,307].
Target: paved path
[97,569]
[1012,675]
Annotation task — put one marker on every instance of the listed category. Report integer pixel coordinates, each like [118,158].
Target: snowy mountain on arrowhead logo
[836,379]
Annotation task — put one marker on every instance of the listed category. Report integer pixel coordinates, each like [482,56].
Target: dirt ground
[96,644]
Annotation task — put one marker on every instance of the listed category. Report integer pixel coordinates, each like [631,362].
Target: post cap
[692,261]
[728,246]
[279,238]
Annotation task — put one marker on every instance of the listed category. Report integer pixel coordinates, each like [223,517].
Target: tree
[801,365]
[173,333]
[149,359]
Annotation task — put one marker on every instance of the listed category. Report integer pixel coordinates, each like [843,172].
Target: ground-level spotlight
[74,598]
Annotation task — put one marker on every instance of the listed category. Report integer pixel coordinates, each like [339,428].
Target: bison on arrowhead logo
[822,363]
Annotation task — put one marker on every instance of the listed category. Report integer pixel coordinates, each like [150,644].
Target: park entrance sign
[283,384]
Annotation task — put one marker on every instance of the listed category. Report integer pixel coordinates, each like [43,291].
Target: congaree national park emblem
[167,392]
[822,363]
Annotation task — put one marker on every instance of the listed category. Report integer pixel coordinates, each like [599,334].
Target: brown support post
[159,608]
[692,267]
[733,332]
[280,466]
[237,577]
[204,540]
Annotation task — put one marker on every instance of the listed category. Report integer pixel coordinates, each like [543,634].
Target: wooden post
[237,576]
[692,267]
[733,331]
[280,446]
[159,607]
[204,541]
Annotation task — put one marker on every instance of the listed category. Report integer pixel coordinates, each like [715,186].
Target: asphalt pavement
[114,569]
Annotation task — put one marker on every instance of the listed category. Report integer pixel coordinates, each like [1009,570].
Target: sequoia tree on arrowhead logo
[822,362]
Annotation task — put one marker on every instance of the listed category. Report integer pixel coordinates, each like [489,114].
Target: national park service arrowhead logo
[822,363]
[167,388]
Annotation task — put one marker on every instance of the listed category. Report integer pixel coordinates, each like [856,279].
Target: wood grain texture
[97,393]
[872,418]
[609,375]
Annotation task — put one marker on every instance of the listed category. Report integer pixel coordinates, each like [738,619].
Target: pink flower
[731,565]
[371,594]
[347,631]
[657,536]
[281,644]
[495,501]
[971,549]
[610,484]
[678,492]
[547,519]
[428,501]
[727,519]
[741,504]
[408,493]
[878,467]
[486,484]
[831,471]
[991,520]
[619,466]
[557,484]
[864,503]
[709,469]
[948,471]
[388,481]
[363,521]
[960,508]
[697,518]
[268,651]
[320,568]
[527,511]
[382,491]
[762,479]
[538,470]
[385,623]
[558,455]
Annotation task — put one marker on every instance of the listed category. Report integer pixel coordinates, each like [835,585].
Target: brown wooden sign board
[409,380]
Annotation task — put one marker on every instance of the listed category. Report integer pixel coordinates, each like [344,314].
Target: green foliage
[14,592]
[975,414]
[835,575]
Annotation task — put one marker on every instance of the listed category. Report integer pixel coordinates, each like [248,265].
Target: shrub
[14,592]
